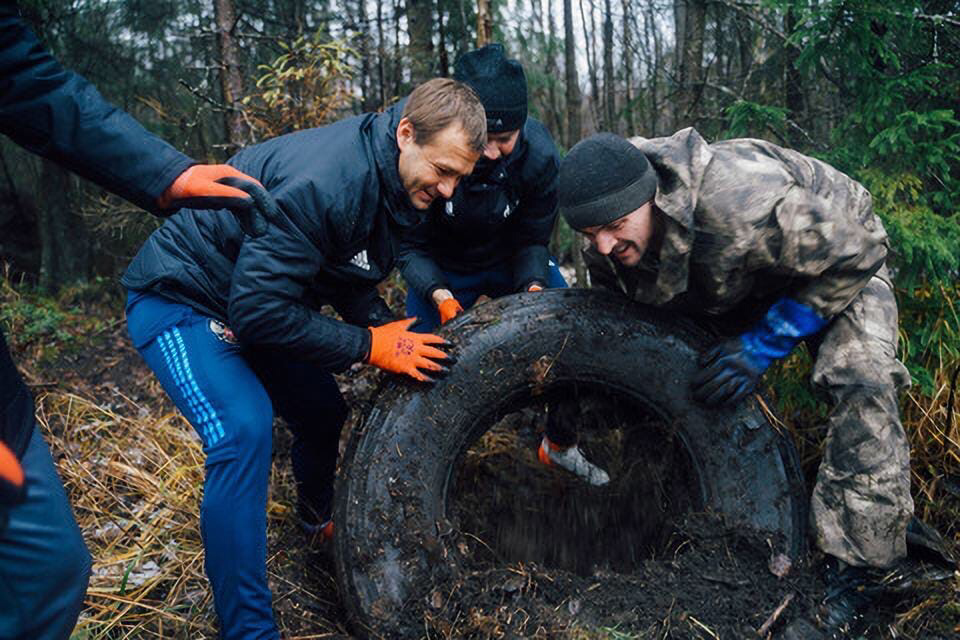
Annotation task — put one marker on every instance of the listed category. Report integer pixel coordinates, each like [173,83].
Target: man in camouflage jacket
[772,248]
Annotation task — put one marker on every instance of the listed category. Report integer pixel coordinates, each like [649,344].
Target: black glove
[253,214]
[729,374]
[732,369]
[220,186]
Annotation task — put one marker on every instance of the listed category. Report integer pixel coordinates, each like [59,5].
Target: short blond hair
[437,103]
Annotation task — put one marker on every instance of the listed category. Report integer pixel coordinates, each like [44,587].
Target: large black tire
[394,540]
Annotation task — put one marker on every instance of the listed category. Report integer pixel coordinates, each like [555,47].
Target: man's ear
[405,133]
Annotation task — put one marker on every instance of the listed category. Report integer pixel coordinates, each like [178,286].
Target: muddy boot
[850,592]
[573,460]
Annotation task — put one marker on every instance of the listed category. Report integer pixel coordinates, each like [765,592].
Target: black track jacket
[503,212]
[59,115]
[340,200]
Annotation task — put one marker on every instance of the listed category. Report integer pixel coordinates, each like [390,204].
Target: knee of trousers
[250,435]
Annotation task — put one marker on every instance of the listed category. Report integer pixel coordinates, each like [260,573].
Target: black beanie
[603,178]
[499,83]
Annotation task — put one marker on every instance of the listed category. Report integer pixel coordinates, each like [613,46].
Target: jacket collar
[679,161]
[387,155]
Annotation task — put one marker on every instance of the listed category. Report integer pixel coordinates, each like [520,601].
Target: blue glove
[731,370]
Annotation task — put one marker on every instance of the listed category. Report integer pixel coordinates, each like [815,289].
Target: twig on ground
[765,627]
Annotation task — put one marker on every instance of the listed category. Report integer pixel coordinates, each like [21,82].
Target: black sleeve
[267,308]
[59,115]
[533,222]
[364,308]
[419,270]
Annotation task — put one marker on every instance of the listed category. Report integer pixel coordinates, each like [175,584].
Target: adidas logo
[360,260]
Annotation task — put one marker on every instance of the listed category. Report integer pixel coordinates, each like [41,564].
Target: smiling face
[434,168]
[500,144]
[626,238]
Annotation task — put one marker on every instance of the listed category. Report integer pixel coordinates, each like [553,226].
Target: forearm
[58,114]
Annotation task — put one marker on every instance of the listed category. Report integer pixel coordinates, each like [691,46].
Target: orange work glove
[449,309]
[12,485]
[394,348]
[536,286]
[220,186]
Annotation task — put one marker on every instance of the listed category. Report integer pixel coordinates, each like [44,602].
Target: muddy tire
[394,540]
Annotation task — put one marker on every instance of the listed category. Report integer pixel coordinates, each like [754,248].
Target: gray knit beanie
[603,178]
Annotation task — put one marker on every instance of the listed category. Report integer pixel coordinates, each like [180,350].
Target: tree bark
[793,82]
[420,28]
[381,54]
[609,80]
[484,23]
[231,78]
[444,69]
[690,21]
[573,121]
[590,40]
[553,74]
[628,69]
[64,239]
[572,82]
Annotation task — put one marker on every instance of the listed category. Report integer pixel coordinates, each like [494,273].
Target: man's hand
[732,369]
[394,348]
[729,374]
[449,309]
[220,186]
[12,484]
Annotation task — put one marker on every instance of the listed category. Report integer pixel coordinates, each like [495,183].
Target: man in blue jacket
[44,565]
[490,239]
[232,327]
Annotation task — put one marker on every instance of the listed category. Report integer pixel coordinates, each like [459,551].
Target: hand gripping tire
[394,540]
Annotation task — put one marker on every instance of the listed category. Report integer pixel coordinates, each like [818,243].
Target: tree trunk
[690,21]
[381,54]
[609,81]
[650,25]
[590,40]
[573,121]
[793,82]
[363,49]
[444,70]
[420,27]
[628,69]
[64,240]
[397,57]
[553,74]
[573,83]
[484,23]
[231,78]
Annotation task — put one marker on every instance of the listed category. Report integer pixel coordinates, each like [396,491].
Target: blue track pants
[229,395]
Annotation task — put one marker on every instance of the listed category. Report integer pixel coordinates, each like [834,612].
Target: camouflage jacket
[746,222]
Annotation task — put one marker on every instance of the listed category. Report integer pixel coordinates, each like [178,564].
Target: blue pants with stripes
[229,395]
[468,287]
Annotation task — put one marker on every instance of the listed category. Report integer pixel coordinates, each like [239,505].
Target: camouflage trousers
[861,501]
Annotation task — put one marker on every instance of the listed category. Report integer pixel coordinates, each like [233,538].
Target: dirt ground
[552,557]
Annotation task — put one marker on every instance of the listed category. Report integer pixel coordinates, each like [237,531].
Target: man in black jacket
[232,327]
[44,565]
[491,237]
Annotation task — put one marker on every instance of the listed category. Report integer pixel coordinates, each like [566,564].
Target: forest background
[870,86]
